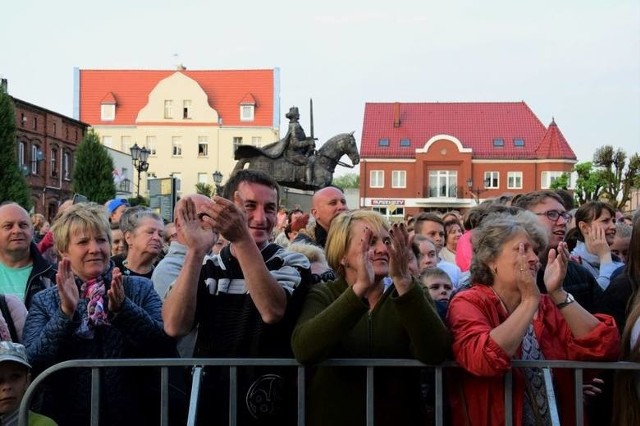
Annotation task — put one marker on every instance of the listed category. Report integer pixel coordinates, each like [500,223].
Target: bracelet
[567,301]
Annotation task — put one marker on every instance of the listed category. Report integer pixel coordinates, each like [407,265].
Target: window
[237,140]
[549,177]
[202,177]
[35,157]
[383,142]
[107,141]
[443,183]
[65,165]
[108,112]
[256,141]
[35,123]
[54,162]
[168,109]
[514,180]
[491,180]
[125,143]
[518,142]
[22,148]
[376,179]
[399,211]
[498,142]
[151,144]
[23,119]
[405,142]
[55,128]
[186,109]
[247,112]
[176,146]
[203,146]
[178,177]
[399,179]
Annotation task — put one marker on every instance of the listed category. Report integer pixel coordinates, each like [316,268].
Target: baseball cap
[14,352]
[113,205]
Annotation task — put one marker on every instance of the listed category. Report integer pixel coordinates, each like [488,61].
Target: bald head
[16,233]
[326,204]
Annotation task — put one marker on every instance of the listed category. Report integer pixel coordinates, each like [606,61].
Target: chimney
[396,115]
[4,85]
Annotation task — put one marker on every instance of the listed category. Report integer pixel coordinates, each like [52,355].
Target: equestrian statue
[293,161]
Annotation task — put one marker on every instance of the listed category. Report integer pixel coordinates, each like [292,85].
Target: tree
[618,175]
[93,170]
[589,182]
[204,189]
[350,180]
[14,185]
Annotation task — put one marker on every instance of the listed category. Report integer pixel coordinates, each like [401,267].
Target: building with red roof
[190,120]
[440,156]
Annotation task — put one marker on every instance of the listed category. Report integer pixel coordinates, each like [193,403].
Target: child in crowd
[440,287]
[15,378]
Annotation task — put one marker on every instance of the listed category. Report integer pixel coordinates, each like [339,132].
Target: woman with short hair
[93,312]
[503,316]
[360,315]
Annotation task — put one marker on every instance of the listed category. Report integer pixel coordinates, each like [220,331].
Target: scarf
[95,315]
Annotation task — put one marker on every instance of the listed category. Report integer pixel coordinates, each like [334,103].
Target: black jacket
[43,275]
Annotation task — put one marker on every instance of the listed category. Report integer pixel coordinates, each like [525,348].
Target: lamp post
[217,180]
[477,191]
[139,157]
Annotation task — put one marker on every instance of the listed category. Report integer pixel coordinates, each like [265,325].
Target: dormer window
[498,142]
[383,142]
[518,142]
[107,108]
[247,112]
[405,142]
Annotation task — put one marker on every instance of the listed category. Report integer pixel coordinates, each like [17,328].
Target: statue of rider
[295,147]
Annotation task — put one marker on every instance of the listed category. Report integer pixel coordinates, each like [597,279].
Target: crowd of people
[528,277]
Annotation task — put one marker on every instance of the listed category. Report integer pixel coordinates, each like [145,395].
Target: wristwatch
[567,301]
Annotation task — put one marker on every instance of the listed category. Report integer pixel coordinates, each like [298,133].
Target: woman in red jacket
[503,316]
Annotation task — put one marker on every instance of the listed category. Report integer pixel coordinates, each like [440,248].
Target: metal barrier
[199,363]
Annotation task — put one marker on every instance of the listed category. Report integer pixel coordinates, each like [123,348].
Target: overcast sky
[576,60]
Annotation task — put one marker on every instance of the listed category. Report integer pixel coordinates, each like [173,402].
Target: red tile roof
[475,124]
[224,88]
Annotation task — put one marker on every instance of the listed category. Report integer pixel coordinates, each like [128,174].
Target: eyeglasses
[554,215]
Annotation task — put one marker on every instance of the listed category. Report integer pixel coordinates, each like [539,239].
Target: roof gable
[505,130]
[554,145]
[225,89]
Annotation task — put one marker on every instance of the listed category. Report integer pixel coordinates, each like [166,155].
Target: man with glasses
[552,215]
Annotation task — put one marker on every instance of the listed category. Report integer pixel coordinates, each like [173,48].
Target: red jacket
[477,392]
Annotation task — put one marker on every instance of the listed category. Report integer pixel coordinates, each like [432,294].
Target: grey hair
[495,230]
[132,216]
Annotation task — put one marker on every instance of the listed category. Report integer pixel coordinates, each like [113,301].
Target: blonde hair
[340,235]
[84,217]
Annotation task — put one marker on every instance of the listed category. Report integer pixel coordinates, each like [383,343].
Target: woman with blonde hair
[358,316]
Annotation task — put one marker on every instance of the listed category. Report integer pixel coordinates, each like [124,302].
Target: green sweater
[335,323]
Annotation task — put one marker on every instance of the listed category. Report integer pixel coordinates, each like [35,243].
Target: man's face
[117,213]
[620,247]
[14,380]
[261,207]
[16,230]
[435,232]
[327,204]
[556,229]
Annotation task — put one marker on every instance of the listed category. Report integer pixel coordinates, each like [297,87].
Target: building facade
[442,156]
[46,143]
[191,121]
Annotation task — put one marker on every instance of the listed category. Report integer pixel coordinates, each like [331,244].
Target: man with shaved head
[326,204]
[23,270]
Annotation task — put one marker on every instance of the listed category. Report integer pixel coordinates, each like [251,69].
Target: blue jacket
[136,331]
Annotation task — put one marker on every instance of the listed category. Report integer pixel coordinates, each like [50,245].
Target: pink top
[464,251]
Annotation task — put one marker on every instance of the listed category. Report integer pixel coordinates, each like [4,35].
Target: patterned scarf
[95,316]
[536,404]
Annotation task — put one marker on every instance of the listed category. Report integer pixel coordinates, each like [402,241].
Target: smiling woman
[93,312]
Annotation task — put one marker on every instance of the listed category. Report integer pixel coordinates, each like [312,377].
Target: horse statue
[324,162]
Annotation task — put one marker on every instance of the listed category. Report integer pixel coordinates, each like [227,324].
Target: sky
[577,61]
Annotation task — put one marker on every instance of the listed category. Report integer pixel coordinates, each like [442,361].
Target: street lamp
[477,191]
[139,157]
[217,180]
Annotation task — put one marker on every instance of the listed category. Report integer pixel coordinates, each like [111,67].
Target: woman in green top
[358,316]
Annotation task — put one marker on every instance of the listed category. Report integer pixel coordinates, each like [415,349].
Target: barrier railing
[370,364]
